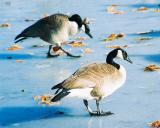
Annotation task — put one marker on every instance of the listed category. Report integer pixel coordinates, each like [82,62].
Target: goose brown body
[101,79]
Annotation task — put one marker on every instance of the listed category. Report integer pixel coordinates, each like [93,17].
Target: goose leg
[49,55]
[100,112]
[69,54]
[88,108]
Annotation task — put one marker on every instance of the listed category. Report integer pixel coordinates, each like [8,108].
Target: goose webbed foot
[97,113]
[52,56]
[69,54]
[49,55]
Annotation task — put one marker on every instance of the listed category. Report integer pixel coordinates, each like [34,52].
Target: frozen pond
[135,104]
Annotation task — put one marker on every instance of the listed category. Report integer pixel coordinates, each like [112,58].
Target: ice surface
[135,104]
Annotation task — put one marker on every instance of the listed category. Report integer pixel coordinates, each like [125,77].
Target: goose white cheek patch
[83,28]
[119,54]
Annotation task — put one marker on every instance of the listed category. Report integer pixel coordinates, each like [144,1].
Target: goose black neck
[110,60]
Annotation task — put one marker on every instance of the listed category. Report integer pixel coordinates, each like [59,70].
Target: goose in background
[95,81]
[55,30]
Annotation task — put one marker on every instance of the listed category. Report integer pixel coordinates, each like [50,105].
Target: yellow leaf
[155,124]
[112,10]
[5,25]
[114,36]
[152,67]
[142,9]
[76,44]
[88,50]
[14,47]
[117,46]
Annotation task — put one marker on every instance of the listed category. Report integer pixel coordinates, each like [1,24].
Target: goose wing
[44,27]
[54,22]
[88,77]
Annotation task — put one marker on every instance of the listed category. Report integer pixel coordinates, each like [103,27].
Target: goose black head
[122,54]
[77,19]
[83,25]
[118,53]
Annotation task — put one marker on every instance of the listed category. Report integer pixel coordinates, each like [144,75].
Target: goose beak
[89,34]
[129,60]
[86,29]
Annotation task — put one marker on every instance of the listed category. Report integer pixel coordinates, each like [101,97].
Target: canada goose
[94,81]
[55,30]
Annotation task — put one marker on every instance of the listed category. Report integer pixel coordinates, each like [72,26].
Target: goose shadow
[151,57]
[148,5]
[15,56]
[12,115]
[152,33]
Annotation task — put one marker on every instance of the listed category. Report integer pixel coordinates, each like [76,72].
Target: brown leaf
[5,25]
[56,48]
[113,36]
[156,10]
[76,44]
[152,67]
[155,124]
[19,61]
[88,51]
[120,35]
[37,97]
[142,9]
[144,38]
[44,99]
[112,10]
[14,47]
[81,38]
[117,46]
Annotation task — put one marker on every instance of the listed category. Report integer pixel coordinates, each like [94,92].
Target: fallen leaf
[5,25]
[112,10]
[56,48]
[117,46]
[156,10]
[114,5]
[142,9]
[152,67]
[19,61]
[144,38]
[45,99]
[155,124]
[120,35]
[14,47]
[76,44]
[113,36]
[88,50]
[37,97]
[81,38]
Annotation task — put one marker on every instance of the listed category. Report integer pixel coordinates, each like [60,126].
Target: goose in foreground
[95,81]
[55,30]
